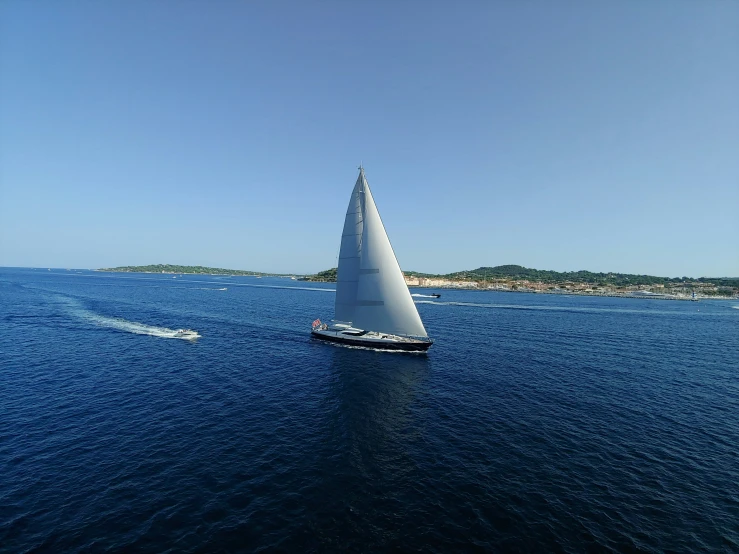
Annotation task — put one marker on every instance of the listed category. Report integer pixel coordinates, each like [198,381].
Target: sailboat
[373,306]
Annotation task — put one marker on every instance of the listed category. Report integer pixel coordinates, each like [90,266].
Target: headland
[511,278]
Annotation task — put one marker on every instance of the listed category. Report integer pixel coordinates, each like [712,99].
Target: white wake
[205,288]
[126,326]
[534,307]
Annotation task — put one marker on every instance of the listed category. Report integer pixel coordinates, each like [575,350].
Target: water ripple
[541,424]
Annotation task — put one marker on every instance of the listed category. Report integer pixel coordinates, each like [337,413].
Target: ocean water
[534,422]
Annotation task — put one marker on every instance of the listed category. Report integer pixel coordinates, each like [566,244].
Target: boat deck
[371,339]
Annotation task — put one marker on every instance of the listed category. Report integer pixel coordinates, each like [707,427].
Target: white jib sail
[371,292]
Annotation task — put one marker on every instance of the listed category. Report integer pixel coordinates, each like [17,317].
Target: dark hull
[404,346]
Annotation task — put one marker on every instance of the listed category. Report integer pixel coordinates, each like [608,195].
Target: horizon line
[404,272]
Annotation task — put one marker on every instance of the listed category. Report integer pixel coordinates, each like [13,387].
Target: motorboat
[187,334]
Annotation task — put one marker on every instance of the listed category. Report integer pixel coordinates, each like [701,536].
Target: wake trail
[120,324]
[554,308]
[423,295]
[281,287]
[204,288]
[184,279]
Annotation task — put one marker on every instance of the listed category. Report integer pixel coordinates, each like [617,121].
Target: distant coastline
[511,278]
[187,269]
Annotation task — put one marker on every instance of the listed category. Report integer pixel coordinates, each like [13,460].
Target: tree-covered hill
[501,272]
[191,269]
[517,272]
[328,276]
[520,273]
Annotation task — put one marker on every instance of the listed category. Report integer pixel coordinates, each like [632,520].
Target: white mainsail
[347,275]
[371,293]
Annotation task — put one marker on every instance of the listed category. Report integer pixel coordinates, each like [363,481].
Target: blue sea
[534,423]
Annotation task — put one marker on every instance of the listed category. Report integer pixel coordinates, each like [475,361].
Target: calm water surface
[534,423]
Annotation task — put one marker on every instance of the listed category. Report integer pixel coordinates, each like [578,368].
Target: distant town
[514,278]
[686,290]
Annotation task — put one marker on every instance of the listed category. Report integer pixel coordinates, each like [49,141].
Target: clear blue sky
[555,135]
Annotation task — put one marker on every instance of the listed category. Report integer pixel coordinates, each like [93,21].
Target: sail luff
[347,276]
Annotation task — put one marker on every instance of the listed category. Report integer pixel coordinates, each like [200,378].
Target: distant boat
[187,334]
[436,295]
[373,306]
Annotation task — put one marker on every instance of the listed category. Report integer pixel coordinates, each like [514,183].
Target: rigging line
[362,209]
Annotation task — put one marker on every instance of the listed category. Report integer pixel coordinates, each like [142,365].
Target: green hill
[500,272]
[521,273]
[328,276]
[517,272]
[191,269]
